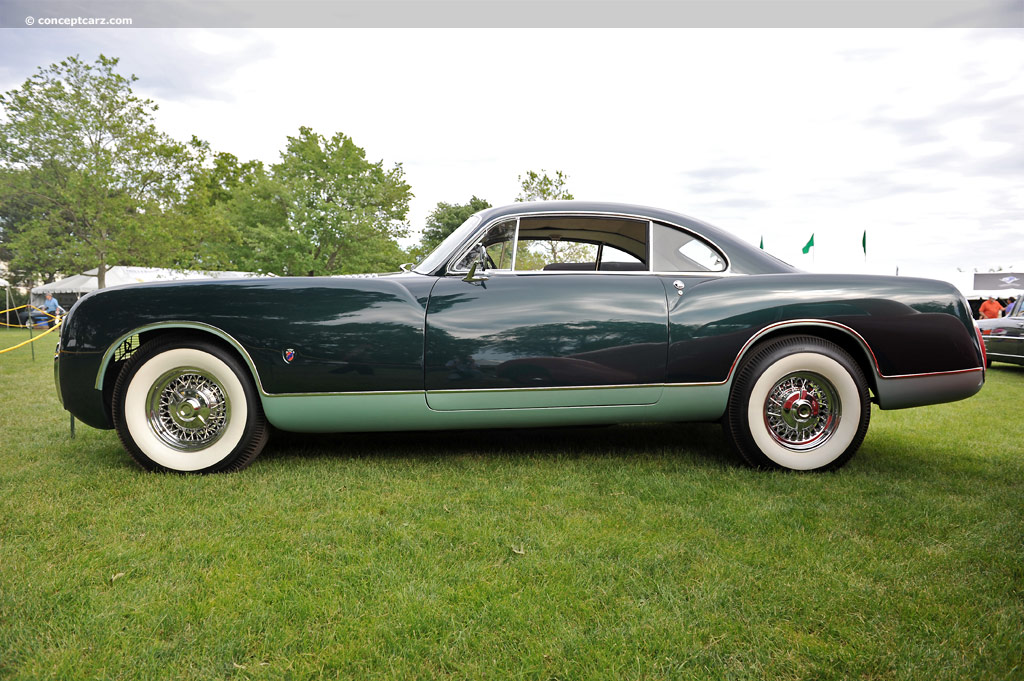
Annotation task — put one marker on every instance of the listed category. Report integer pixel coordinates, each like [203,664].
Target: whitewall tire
[798,403]
[188,405]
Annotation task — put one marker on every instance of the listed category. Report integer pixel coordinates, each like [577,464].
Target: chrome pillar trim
[515,246]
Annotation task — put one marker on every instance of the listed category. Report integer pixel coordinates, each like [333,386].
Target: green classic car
[535,314]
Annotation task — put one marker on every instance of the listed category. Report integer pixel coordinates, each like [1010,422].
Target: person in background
[1009,306]
[51,306]
[990,309]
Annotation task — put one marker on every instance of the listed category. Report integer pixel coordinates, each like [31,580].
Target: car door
[557,336]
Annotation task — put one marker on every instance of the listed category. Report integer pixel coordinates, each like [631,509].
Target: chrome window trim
[515,245]
[650,246]
[449,268]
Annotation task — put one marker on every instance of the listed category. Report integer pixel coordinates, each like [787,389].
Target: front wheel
[189,406]
[798,403]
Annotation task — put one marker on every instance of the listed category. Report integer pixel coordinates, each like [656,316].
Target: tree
[541,187]
[16,218]
[445,219]
[348,210]
[258,211]
[83,151]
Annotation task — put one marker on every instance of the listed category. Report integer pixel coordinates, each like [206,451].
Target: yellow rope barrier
[32,340]
[21,307]
[12,309]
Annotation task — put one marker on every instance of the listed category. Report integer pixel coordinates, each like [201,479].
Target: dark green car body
[439,348]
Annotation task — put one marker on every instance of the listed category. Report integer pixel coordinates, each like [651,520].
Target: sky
[915,136]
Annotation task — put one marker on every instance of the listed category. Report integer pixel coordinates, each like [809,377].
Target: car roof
[743,257]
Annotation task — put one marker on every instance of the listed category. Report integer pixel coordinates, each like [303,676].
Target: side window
[555,254]
[493,251]
[677,251]
[568,243]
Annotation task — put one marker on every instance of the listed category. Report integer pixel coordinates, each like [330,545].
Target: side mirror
[472,276]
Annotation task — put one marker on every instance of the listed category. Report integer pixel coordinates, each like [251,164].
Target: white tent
[70,289]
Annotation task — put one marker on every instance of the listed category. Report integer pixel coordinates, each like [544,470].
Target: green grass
[633,552]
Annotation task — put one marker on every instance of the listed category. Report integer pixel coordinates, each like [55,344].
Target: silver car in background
[1004,336]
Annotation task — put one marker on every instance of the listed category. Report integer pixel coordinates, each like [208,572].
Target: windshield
[439,254]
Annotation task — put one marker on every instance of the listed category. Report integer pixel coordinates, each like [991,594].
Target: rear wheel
[798,403]
[189,406]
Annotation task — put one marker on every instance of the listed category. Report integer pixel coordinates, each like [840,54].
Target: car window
[581,243]
[493,250]
[559,243]
[678,251]
[437,256]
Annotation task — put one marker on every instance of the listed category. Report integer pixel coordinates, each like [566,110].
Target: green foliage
[88,179]
[258,211]
[446,218]
[348,210]
[542,187]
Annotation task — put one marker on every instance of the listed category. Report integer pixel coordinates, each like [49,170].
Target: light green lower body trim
[409,411]
[525,398]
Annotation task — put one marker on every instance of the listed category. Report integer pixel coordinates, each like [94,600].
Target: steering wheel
[485,257]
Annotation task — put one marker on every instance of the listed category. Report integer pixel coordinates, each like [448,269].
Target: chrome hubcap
[802,411]
[187,409]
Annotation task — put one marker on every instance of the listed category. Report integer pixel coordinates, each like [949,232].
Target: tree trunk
[101,274]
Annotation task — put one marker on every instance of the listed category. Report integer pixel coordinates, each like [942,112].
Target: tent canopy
[80,284]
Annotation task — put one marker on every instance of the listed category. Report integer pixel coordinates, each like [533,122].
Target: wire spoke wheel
[798,403]
[188,409]
[190,406]
[802,411]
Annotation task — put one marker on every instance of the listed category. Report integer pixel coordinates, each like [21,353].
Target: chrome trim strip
[515,245]
[844,327]
[555,387]
[179,324]
[650,246]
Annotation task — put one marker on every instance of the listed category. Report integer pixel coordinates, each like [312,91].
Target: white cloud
[913,135]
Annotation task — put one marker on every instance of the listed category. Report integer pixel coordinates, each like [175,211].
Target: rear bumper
[917,391]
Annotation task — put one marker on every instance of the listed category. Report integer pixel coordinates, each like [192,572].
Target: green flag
[810,245]
[864,242]
[762,242]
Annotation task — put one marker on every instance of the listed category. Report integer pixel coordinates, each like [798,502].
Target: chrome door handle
[679,286]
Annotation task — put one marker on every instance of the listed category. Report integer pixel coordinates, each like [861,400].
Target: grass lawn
[632,552]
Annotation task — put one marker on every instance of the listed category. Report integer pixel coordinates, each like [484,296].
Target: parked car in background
[1004,336]
[534,314]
